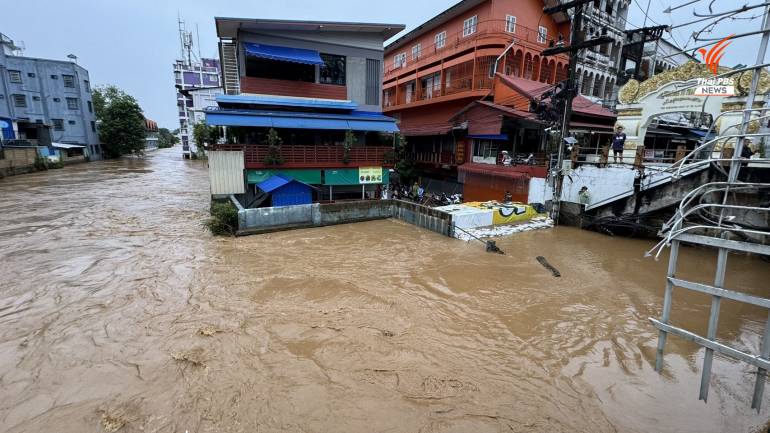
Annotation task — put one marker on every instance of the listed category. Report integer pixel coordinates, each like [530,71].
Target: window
[440,40]
[90,107]
[373,82]
[485,151]
[276,70]
[14,76]
[93,126]
[69,81]
[56,99]
[35,98]
[31,74]
[58,124]
[54,77]
[431,86]
[71,122]
[416,51]
[409,92]
[72,103]
[20,101]
[542,33]
[469,25]
[333,69]
[399,60]
[510,24]
[87,85]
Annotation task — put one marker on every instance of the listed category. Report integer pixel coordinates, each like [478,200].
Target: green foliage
[274,142]
[224,219]
[405,167]
[122,128]
[347,144]
[205,135]
[166,138]
[40,163]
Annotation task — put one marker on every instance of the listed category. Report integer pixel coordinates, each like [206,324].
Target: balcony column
[552,80]
[521,65]
[417,86]
[473,75]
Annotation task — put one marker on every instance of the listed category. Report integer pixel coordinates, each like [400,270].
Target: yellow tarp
[508,213]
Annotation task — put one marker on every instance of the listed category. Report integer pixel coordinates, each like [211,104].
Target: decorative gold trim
[630,112]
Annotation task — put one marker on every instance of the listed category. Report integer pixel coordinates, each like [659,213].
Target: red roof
[534,89]
[506,110]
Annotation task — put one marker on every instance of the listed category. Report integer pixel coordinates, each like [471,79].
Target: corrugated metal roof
[226,172]
[286,101]
[274,182]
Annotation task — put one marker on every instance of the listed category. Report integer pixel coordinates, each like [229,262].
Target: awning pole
[362,191]
[331,194]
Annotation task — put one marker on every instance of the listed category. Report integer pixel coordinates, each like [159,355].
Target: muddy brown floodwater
[119,312]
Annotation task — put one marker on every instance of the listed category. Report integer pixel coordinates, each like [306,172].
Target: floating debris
[194,357]
[537,223]
[208,331]
[548,266]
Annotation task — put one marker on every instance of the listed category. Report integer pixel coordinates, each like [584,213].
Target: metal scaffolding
[717,215]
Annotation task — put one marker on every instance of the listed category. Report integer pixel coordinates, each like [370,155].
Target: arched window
[545,71]
[528,67]
[536,66]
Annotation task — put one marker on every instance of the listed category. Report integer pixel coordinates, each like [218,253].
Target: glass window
[485,151]
[510,24]
[72,103]
[416,51]
[58,124]
[69,81]
[542,33]
[31,74]
[399,60]
[90,107]
[333,69]
[469,25]
[20,101]
[14,76]
[87,85]
[93,126]
[71,122]
[440,40]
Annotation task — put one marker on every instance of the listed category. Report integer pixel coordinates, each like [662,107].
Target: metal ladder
[230,78]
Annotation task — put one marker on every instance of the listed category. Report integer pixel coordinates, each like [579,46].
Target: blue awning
[285,101]
[356,121]
[283,54]
[490,136]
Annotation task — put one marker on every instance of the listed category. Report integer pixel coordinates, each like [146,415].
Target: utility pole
[571,88]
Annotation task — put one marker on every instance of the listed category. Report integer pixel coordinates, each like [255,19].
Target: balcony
[269,86]
[332,156]
[436,158]
[456,42]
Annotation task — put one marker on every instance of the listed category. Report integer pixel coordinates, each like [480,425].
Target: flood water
[119,312]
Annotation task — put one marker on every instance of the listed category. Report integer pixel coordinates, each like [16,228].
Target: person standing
[618,143]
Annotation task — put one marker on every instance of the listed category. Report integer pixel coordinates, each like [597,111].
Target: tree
[205,134]
[274,142]
[166,138]
[405,167]
[347,144]
[122,130]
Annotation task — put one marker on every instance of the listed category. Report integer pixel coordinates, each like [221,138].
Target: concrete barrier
[263,220]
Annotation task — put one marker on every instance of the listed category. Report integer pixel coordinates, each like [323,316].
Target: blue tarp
[490,136]
[356,121]
[285,101]
[283,54]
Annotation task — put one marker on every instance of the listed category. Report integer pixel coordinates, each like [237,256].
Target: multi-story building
[190,74]
[598,66]
[46,102]
[302,102]
[150,134]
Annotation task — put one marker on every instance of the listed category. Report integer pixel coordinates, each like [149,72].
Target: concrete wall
[47,98]
[262,220]
[356,47]
[17,160]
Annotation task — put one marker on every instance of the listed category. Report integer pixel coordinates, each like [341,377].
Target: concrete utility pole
[571,89]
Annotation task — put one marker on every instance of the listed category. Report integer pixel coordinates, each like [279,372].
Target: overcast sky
[133,44]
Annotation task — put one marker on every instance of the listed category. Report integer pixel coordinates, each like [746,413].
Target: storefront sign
[369,175]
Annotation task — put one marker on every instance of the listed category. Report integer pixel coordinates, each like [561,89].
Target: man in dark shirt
[618,142]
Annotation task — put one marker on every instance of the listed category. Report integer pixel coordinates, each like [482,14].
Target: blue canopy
[283,54]
[356,121]
[489,136]
[284,101]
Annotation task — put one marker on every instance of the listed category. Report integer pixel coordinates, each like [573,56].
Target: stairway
[230,76]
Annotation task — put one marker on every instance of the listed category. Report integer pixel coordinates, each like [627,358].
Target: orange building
[436,75]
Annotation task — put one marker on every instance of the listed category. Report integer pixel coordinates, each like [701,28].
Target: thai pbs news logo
[715,86]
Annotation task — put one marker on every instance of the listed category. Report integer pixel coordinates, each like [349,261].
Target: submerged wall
[263,220]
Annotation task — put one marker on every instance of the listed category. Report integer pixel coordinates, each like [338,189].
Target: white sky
[133,44]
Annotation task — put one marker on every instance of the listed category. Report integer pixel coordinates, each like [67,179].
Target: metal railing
[256,154]
[431,52]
